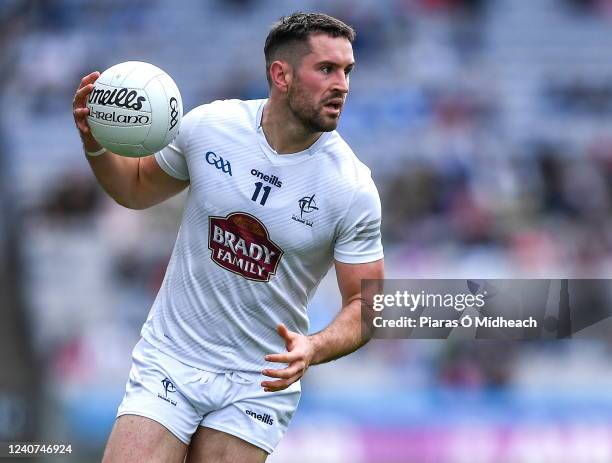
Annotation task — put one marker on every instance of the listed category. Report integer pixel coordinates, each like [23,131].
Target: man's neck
[283,132]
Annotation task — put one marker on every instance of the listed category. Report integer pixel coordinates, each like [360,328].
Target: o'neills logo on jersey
[241,244]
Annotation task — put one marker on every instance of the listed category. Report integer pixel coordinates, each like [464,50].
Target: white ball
[135,109]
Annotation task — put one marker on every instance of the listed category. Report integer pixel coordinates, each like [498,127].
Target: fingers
[80,98]
[85,87]
[83,126]
[284,332]
[80,118]
[274,386]
[287,357]
[295,360]
[285,373]
[79,108]
[89,79]
[80,114]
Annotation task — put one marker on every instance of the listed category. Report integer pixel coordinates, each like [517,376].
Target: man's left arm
[345,334]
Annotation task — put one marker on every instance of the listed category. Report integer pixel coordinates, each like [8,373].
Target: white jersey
[259,232]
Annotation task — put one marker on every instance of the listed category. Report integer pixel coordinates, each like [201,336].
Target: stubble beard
[308,113]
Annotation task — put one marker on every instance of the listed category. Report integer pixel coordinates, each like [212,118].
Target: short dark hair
[291,33]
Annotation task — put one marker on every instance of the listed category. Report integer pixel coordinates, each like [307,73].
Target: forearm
[344,335]
[118,176]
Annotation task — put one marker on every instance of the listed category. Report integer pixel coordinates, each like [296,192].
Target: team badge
[307,205]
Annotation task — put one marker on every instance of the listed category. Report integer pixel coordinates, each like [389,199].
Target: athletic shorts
[181,398]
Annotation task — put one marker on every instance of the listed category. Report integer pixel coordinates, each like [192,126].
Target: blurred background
[486,127]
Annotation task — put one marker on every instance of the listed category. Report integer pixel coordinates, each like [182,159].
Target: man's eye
[326,69]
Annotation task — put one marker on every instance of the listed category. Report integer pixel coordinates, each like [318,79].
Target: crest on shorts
[168,387]
[241,244]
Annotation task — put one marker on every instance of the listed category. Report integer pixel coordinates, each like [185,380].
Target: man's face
[321,82]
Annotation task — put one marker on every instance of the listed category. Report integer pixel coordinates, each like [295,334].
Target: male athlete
[275,196]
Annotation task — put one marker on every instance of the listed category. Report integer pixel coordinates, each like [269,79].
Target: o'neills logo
[265,418]
[240,243]
[117,97]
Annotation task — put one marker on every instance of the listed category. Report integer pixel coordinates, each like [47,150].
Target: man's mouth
[334,105]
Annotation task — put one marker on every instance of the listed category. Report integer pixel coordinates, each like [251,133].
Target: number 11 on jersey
[258,188]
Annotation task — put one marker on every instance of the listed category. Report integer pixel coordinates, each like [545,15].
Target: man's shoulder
[227,106]
[220,120]
[345,162]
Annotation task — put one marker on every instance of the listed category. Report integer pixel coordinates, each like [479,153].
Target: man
[275,197]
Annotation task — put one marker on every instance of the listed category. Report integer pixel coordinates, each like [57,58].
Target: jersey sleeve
[172,158]
[359,240]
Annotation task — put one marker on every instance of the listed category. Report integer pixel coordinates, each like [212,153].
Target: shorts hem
[250,440]
[157,419]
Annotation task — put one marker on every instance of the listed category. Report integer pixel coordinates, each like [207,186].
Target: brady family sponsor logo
[271,179]
[168,387]
[117,97]
[307,205]
[241,244]
[265,418]
[215,160]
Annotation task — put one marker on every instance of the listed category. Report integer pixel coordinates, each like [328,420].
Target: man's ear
[281,74]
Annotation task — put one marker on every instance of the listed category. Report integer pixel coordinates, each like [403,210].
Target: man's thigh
[212,446]
[138,439]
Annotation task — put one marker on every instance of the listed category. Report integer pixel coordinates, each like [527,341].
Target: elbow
[367,333]
[130,203]
[368,326]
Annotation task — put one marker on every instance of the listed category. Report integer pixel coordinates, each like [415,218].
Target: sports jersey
[259,232]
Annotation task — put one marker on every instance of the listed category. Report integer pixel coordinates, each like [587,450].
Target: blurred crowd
[484,124]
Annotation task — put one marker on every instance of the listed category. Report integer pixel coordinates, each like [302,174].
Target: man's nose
[341,83]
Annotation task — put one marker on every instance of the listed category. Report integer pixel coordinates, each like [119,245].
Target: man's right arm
[136,183]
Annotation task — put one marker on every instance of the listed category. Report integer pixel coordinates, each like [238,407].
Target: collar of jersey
[291,158]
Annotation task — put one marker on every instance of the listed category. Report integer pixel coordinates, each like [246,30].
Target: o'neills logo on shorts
[241,244]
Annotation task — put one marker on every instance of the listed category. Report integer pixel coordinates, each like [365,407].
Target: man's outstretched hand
[300,351]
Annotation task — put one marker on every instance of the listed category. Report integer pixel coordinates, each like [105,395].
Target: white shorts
[181,398]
